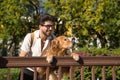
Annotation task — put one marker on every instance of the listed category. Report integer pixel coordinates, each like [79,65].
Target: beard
[46,33]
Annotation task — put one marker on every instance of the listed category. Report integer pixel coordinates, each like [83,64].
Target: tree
[89,17]
[15,21]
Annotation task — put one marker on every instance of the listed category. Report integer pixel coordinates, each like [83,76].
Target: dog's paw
[49,58]
[75,56]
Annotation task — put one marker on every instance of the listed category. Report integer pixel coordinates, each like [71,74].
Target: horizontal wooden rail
[103,61]
[58,61]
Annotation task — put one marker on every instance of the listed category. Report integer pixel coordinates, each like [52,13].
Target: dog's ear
[55,43]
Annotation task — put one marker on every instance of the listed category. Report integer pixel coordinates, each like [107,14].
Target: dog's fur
[57,47]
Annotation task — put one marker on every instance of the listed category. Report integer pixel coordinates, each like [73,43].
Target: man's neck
[43,37]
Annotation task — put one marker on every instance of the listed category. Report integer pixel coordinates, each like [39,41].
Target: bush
[100,51]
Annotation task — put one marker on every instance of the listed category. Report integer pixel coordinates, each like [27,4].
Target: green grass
[14,73]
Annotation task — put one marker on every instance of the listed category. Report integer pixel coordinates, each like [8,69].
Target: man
[41,40]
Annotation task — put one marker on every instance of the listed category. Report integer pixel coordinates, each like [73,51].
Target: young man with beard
[41,39]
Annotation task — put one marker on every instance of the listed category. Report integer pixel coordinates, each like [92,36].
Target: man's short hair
[45,17]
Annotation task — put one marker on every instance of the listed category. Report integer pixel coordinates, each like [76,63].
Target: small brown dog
[57,47]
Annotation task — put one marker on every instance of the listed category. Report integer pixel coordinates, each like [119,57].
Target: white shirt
[35,48]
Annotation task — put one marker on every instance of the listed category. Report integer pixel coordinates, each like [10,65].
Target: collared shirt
[35,48]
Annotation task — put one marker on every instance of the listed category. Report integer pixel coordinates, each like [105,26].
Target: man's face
[47,28]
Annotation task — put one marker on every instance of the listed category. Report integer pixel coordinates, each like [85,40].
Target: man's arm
[26,45]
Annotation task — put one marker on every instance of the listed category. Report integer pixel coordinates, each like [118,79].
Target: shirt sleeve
[26,45]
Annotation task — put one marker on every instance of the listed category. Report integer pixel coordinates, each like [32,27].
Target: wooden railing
[103,61]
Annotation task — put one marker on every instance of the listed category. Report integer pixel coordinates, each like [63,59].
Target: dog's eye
[65,39]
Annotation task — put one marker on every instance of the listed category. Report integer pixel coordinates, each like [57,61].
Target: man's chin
[48,34]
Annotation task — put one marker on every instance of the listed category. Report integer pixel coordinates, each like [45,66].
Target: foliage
[89,17]
[14,74]
[10,17]
[12,14]
[10,23]
[98,73]
[93,51]
[83,18]
[16,19]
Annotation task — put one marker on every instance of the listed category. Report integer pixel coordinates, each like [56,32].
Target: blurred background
[94,24]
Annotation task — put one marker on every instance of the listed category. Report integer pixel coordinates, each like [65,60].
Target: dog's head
[61,42]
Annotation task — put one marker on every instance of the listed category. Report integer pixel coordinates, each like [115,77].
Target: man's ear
[55,43]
